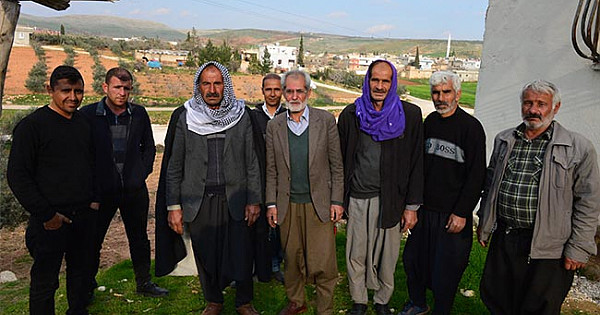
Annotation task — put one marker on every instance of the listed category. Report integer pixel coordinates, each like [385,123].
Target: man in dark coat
[213,185]
[124,158]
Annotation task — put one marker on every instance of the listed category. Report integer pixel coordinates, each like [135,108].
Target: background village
[164,69]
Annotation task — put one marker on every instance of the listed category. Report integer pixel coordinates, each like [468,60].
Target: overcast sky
[422,19]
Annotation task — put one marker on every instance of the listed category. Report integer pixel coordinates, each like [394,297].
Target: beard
[445,109]
[542,123]
[296,108]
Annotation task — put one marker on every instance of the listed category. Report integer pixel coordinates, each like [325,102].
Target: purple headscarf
[388,123]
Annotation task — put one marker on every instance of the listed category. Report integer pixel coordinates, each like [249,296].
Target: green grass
[186,294]
[423,91]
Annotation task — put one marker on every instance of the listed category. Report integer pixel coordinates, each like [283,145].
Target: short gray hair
[296,73]
[441,77]
[542,87]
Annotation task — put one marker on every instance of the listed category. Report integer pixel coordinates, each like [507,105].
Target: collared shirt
[298,127]
[264,107]
[519,188]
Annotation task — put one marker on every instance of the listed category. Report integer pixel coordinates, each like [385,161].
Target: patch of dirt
[152,82]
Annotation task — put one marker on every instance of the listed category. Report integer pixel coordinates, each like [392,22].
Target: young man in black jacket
[50,171]
[124,158]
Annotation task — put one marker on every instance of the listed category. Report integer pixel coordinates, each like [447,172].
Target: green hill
[317,43]
[103,26]
[100,25]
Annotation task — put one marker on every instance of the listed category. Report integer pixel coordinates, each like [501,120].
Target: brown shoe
[247,309]
[213,309]
[293,308]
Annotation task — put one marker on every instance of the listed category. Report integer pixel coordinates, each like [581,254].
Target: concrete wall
[526,40]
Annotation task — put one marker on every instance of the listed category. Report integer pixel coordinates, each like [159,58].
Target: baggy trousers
[309,246]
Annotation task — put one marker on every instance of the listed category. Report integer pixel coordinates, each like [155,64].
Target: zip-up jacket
[139,157]
[568,197]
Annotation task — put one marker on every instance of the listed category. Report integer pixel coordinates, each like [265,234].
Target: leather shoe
[151,289]
[246,309]
[382,309]
[358,309]
[212,309]
[293,308]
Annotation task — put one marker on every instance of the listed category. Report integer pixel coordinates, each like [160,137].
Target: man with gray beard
[540,203]
[304,193]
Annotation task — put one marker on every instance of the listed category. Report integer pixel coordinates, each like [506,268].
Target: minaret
[448,48]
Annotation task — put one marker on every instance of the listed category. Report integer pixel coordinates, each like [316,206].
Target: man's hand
[409,220]
[481,242]
[56,222]
[571,264]
[95,205]
[335,213]
[252,213]
[176,221]
[455,224]
[272,216]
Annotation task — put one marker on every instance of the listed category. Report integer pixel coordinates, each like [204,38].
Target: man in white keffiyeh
[213,187]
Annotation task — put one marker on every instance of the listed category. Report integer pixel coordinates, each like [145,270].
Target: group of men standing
[233,177]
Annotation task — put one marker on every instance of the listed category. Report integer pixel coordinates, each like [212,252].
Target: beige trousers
[309,247]
[371,252]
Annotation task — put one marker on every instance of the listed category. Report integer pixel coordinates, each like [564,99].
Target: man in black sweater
[50,171]
[437,252]
[124,158]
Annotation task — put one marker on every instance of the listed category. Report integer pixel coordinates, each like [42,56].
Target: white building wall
[526,40]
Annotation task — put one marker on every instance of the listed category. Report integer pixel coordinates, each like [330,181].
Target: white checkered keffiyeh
[203,120]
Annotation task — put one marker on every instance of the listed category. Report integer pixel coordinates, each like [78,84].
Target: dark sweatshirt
[454,163]
[51,163]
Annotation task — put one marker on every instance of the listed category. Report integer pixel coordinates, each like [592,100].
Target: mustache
[441,103]
[212,94]
[528,116]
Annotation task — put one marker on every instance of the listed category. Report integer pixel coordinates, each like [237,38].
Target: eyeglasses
[298,92]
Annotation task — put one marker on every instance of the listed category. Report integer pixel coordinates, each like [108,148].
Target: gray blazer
[326,172]
[186,173]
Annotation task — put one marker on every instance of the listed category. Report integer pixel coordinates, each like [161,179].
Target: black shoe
[358,309]
[151,289]
[278,275]
[382,309]
[90,297]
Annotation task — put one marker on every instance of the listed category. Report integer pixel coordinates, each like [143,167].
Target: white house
[282,57]
[22,34]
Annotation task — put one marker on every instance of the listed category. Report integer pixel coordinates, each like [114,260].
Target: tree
[300,57]
[36,79]
[62,30]
[70,60]
[417,61]
[267,64]
[99,75]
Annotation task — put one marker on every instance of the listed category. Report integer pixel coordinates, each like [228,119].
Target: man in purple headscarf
[382,147]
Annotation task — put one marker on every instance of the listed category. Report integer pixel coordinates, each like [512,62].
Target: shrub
[11,212]
[36,79]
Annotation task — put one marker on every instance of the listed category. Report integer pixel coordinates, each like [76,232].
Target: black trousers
[514,284]
[436,259]
[222,250]
[73,242]
[133,207]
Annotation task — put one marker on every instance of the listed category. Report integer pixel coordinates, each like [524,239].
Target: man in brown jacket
[304,193]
